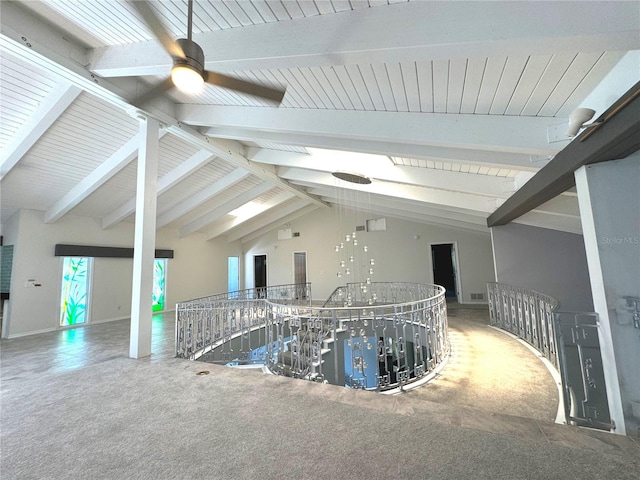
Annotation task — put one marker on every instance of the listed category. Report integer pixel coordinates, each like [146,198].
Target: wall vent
[477,296]
[359,228]
[296,234]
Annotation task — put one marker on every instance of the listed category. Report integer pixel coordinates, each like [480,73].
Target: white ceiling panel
[23,87]
[582,64]
[219,200]
[115,192]
[509,79]
[283,148]
[203,178]
[453,167]
[114,22]
[173,151]
[494,66]
[514,85]
[366,76]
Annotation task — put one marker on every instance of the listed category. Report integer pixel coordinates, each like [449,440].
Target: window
[233,282]
[75,290]
[159,277]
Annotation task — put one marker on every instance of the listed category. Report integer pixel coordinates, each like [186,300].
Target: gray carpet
[489,371]
[73,406]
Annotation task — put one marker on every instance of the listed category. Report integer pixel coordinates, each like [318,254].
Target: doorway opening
[260,275]
[445,268]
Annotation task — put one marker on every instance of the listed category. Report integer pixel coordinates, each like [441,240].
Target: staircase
[308,351]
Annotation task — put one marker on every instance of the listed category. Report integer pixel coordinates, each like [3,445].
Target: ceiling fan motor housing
[193,55]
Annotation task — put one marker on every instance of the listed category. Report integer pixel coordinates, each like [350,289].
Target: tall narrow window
[75,290]
[159,278]
[233,282]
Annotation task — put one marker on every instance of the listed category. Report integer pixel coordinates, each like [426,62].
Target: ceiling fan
[188,73]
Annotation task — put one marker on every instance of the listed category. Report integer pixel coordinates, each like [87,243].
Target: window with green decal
[75,290]
[159,279]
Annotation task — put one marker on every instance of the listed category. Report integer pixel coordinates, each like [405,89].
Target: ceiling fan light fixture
[187,79]
[189,73]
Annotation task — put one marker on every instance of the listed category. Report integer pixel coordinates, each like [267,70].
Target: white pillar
[609,198]
[145,239]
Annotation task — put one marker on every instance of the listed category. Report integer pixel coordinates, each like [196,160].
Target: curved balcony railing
[525,313]
[569,340]
[299,293]
[383,336]
[383,293]
[205,323]
[376,336]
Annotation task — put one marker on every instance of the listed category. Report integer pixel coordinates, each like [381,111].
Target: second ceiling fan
[188,73]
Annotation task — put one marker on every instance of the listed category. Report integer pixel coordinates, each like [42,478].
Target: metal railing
[298,293]
[569,340]
[525,313]
[389,335]
[582,370]
[384,293]
[230,320]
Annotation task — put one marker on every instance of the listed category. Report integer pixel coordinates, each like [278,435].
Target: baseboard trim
[34,332]
[106,320]
[92,322]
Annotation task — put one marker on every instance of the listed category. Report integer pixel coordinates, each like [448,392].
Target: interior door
[300,274]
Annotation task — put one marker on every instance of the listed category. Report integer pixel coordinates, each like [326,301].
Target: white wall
[547,261]
[398,255]
[198,269]
[110,295]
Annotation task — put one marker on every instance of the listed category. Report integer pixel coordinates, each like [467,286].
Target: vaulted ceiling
[448,107]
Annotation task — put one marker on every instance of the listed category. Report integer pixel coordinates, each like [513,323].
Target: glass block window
[75,290]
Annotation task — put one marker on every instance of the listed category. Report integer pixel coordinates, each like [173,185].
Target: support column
[609,197]
[145,239]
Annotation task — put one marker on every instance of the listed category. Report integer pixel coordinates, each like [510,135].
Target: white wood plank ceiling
[445,105]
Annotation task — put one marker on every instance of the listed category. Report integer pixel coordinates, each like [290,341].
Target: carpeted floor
[74,406]
[490,372]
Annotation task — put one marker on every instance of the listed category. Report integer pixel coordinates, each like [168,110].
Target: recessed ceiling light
[352,178]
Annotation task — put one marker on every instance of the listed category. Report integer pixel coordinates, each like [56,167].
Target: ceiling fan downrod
[190,19]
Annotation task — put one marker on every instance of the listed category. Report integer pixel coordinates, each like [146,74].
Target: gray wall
[609,195]
[544,260]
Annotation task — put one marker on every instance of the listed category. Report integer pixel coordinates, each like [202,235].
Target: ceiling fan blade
[153,92]
[244,87]
[158,29]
